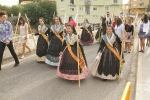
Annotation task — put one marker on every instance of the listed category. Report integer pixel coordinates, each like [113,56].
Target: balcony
[87,2]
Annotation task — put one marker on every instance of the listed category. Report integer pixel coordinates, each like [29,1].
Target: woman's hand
[25,38]
[99,53]
[48,42]
[146,34]
[78,40]
[7,42]
[60,53]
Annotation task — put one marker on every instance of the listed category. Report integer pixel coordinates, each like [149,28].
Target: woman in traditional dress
[68,64]
[143,32]
[86,35]
[23,28]
[129,30]
[56,39]
[109,50]
[43,40]
[98,35]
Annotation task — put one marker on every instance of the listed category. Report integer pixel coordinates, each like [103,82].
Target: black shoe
[129,52]
[16,64]
[104,79]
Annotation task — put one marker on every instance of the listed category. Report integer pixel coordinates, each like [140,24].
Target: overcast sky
[15,2]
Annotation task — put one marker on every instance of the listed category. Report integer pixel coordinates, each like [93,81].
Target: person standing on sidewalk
[129,30]
[143,32]
[23,28]
[6,34]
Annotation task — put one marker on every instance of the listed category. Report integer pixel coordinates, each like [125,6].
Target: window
[87,10]
[115,1]
[62,8]
[81,8]
[71,8]
[95,16]
[106,8]
[62,0]
[71,1]
[87,2]
[94,8]
[141,4]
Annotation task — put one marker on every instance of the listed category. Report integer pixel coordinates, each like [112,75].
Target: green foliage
[38,9]
[6,8]
[34,10]
[148,8]
[15,10]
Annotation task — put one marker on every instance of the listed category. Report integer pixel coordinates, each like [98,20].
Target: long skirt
[52,56]
[41,50]
[109,65]
[86,38]
[68,67]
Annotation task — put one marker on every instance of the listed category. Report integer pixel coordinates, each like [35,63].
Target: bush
[15,10]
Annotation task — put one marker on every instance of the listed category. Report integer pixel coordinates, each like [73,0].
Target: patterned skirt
[128,37]
[68,67]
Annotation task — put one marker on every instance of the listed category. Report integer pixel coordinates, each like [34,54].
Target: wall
[18,46]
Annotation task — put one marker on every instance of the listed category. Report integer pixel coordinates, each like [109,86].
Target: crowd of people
[61,46]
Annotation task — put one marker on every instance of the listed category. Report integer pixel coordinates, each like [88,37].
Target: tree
[37,9]
[148,8]
[15,10]
[6,8]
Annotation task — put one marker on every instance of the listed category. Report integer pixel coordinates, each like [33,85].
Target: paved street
[34,81]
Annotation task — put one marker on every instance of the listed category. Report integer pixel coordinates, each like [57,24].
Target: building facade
[90,9]
[138,6]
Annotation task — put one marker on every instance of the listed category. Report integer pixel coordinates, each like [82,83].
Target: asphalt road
[34,81]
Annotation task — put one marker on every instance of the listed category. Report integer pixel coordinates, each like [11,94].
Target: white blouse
[119,30]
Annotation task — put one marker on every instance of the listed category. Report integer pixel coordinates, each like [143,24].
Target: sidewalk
[143,76]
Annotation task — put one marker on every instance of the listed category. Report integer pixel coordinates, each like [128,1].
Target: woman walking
[99,33]
[43,40]
[110,51]
[56,40]
[23,28]
[86,35]
[129,30]
[68,64]
[72,22]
